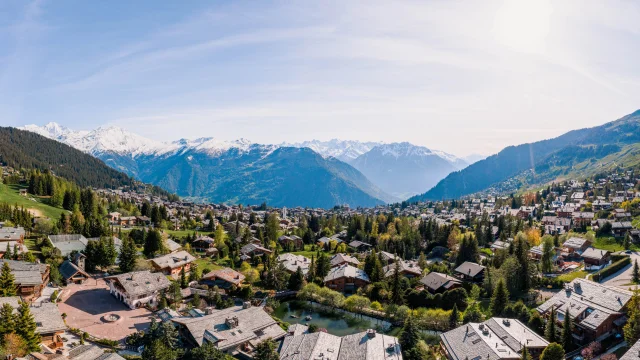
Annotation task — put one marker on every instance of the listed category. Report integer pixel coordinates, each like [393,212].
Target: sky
[460,76]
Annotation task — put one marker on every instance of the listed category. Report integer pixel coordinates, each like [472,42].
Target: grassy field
[11,195]
[307,252]
[580,274]
[611,244]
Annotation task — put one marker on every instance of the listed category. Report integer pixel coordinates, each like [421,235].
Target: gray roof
[291,262]
[92,352]
[14,301]
[252,322]
[172,245]
[405,266]
[358,346]
[575,242]
[26,273]
[68,243]
[633,353]
[48,318]
[173,260]
[347,271]
[68,269]
[141,282]
[338,259]
[470,269]
[436,280]
[595,254]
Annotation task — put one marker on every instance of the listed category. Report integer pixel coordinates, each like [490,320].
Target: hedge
[611,269]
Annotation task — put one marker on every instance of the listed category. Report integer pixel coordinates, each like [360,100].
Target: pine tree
[153,243]
[453,317]
[183,279]
[296,280]
[525,354]
[410,339]
[311,274]
[553,352]
[567,338]
[26,327]
[631,329]
[550,330]
[128,255]
[636,272]
[627,241]
[266,350]
[7,320]
[7,253]
[500,298]
[396,289]
[7,281]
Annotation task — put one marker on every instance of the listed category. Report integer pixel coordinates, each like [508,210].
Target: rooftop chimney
[371,333]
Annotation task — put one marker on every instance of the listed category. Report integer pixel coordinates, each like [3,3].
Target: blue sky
[460,76]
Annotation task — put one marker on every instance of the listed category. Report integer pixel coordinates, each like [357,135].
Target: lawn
[307,252]
[579,274]
[636,222]
[206,263]
[611,244]
[11,194]
[32,246]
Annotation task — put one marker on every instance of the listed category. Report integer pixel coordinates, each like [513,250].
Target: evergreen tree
[627,241]
[311,274]
[153,244]
[183,279]
[157,350]
[7,320]
[396,289]
[410,340]
[500,298]
[26,327]
[323,265]
[525,354]
[7,281]
[453,317]
[206,352]
[128,255]
[553,352]
[550,330]
[266,350]
[636,273]
[7,253]
[567,338]
[631,329]
[296,280]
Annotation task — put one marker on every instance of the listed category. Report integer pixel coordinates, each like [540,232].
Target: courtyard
[87,305]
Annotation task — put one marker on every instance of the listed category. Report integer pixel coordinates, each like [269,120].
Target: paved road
[622,278]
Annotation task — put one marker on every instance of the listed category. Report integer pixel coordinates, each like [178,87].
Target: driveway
[87,304]
[622,278]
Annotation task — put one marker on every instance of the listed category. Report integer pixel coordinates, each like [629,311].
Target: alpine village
[532,262]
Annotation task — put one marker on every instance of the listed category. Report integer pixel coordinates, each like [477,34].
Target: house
[30,278]
[598,311]
[470,271]
[172,264]
[436,282]
[73,271]
[139,288]
[12,234]
[291,240]
[143,221]
[92,352]
[113,217]
[389,258]
[232,330]
[250,250]
[499,245]
[621,228]
[127,221]
[49,324]
[408,269]
[366,345]
[359,246]
[633,353]
[575,245]
[494,339]
[203,243]
[342,259]
[64,245]
[292,262]
[223,278]
[346,278]
[172,246]
[596,257]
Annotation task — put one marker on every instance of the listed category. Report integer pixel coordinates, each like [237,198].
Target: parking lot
[87,304]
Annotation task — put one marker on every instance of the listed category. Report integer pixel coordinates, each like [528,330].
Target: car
[628,252]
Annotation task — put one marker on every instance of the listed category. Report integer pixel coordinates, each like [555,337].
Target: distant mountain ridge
[344,150]
[576,153]
[226,171]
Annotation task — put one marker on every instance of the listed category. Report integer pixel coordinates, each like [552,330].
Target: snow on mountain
[344,150]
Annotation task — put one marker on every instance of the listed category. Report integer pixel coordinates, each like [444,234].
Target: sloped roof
[338,259]
[358,346]
[347,271]
[470,269]
[141,282]
[436,280]
[173,260]
[68,269]
[226,274]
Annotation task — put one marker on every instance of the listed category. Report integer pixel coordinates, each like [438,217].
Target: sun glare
[523,25]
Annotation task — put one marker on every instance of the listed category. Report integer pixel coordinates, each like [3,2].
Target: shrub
[611,269]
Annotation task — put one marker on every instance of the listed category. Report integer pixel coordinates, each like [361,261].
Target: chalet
[389,258]
[172,246]
[73,271]
[91,352]
[143,221]
[346,278]
[359,246]
[292,262]
[139,288]
[49,324]
[596,257]
[173,264]
[575,245]
[470,271]
[366,345]
[64,245]
[250,250]
[223,278]
[203,243]
[30,278]
[620,229]
[495,339]
[127,221]
[581,219]
[633,353]
[436,282]
[239,329]
[499,245]
[15,234]
[291,240]
[408,269]
[113,217]
[598,311]
[342,259]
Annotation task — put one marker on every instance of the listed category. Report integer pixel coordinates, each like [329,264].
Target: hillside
[579,153]
[37,206]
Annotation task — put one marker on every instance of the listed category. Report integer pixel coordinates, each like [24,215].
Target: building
[172,264]
[470,271]
[597,310]
[367,345]
[73,271]
[596,257]
[436,282]
[494,339]
[66,244]
[236,330]
[291,240]
[346,278]
[389,258]
[139,288]
[292,262]
[250,250]
[92,352]
[343,259]
[408,269]
[223,278]
[633,353]
[359,246]
[30,278]
[203,243]
[49,324]
[575,245]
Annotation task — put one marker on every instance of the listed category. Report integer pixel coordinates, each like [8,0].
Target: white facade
[150,299]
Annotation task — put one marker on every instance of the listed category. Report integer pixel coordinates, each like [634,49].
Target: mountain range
[575,154]
[333,172]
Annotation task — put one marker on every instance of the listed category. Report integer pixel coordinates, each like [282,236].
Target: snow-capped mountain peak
[345,150]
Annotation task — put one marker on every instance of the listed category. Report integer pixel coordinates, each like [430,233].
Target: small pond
[337,322]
